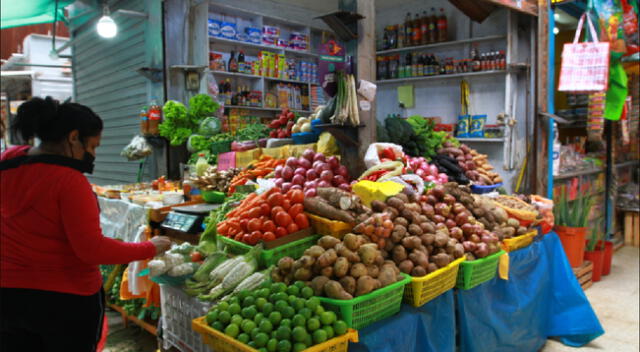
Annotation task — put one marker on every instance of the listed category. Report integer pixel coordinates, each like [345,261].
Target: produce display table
[541,299]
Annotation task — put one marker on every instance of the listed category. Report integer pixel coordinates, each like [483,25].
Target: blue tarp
[541,299]
[430,328]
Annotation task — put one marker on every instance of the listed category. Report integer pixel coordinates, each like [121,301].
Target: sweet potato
[317,284]
[339,198]
[368,253]
[387,275]
[349,284]
[341,267]
[320,207]
[395,202]
[364,285]
[357,270]
[314,251]
[345,252]
[399,254]
[333,289]
[327,258]
[328,242]
[406,266]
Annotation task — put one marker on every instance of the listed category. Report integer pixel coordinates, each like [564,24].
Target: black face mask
[87,163]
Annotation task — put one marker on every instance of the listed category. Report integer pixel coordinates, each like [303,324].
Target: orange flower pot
[573,242]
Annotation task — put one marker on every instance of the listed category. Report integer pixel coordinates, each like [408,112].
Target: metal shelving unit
[447,76]
[578,173]
[481,140]
[442,44]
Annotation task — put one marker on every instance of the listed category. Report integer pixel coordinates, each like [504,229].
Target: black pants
[36,320]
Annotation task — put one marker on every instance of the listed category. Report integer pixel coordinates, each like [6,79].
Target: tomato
[275,199]
[243,224]
[196,256]
[297,196]
[295,210]
[281,231]
[254,213]
[254,225]
[292,227]
[269,236]
[246,238]
[286,204]
[283,219]
[268,226]
[265,209]
[302,221]
[255,237]
[275,210]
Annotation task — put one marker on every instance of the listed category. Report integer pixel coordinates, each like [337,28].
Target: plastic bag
[413,182]
[545,208]
[609,14]
[630,27]
[327,144]
[372,156]
[137,149]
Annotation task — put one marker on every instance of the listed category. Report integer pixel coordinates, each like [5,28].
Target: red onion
[333,162]
[300,171]
[319,157]
[287,173]
[324,183]
[311,174]
[304,163]
[326,175]
[279,182]
[342,171]
[345,187]
[338,180]
[292,162]
[297,180]
[286,186]
[310,192]
[430,178]
[421,173]
[296,187]
[308,154]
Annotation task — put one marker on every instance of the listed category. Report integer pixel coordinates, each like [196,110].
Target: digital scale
[187,219]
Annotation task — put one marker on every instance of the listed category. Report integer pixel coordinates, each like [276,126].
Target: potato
[441,260]
[411,216]
[521,231]
[348,284]
[441,239]
[387,275]
[415,230]
[352,241]
[414,207]
[393,212]
[378,206]
[327,258]
[423,219]
[428,239]
[276,276]
[508,232]
[285,264]
[373,271]
[379,259]
[364,285]
[427,227]
[333,289]
[403,197]
[396,203]
[357,270]
[314,251]
[328,242]
[399,254]
[302,274]
[513,222]
[327,271]
[406,266]
[419,258]
[368,253]
[458,251]
[431,268]
[388,247]
[341,267]
[401,221]
[418,271]
[345,252]
[317,284]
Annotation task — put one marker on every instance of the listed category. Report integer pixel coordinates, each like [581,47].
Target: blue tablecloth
[541,299]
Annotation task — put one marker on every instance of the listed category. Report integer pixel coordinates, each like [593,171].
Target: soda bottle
[442,26]
[155,117]
[433,29]
[233,64]
[417,31]
[408,30]
[424,28]
[401,33]
[144,121]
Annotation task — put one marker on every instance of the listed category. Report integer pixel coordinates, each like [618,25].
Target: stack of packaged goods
[317,97]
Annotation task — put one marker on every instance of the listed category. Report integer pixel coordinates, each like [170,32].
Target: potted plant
[571,218]
[595,253]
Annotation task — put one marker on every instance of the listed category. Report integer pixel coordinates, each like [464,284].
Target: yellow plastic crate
[220,342]
[324,226]
[515,243]
[423,289]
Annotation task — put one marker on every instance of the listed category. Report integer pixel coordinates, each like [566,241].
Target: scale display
[182,222]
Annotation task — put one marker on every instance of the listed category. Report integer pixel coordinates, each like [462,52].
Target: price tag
[226,161]
[365,105]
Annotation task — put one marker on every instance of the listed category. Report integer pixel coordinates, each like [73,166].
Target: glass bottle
[424,28]
[408,30]
[442,26]
[433,29]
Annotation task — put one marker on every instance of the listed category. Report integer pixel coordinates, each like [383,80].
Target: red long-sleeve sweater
[50,235]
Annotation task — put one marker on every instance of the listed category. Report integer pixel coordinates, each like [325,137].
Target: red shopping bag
[585,66]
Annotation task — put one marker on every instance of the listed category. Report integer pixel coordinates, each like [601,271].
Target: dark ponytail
[52,122]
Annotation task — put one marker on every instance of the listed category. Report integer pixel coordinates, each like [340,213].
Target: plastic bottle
[424,28]
[144,121]
[401,33]
[201,165]
[233,64]
[155,117]
[442,26]
[408,30]
[417,30]
[433,29]
[241,64]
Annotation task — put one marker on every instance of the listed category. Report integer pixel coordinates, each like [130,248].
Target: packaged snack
[214,27]
[228,30]
[477,125]
[463,126]
[253,35]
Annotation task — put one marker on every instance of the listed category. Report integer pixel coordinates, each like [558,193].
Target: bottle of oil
[408,30]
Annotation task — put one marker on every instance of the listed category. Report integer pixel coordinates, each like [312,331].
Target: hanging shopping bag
[585,66]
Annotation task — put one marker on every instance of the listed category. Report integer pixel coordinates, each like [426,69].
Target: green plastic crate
[365,310]
[270,257]
[473,273]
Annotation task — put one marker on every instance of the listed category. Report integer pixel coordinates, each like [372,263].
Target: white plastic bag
[413,182]
[367,90]
[136,284]
[137,149]
[371,157]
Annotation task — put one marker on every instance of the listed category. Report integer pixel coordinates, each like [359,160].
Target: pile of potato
[496,219]
[339,269]
[215,180]
[475,165]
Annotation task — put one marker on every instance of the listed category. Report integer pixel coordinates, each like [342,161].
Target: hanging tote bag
[585,66]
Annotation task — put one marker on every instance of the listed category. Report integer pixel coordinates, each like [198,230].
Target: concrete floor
[615,301]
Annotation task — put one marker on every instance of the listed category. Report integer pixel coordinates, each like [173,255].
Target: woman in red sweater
[51,244]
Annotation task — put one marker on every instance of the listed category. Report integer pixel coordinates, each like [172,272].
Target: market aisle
[130,339]
[615,300]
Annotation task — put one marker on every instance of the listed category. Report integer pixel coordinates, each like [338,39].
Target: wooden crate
[583,274]
[632,228]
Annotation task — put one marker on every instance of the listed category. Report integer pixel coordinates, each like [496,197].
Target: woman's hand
[162,243]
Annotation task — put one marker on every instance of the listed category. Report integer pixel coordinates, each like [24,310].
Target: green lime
[300,284]
[275,318]
[265,284]
[299,333]
[243,294]
[272,345]
[272,298]
[327,318]
[244,338]
[248,301]
[280,306]
[236,319]
[292,299]
[261,339]
[263,293]
[305,312]
[252,344]
[319,310]
[263,349]
[254,333]
[313,324]
[260,302]
[340,327]
[267,308]
[224,317]
[285,322]
[284,346]
[299,320]
[288,312]
[299,346]
[330,332]
[319,336]
[249,312]
[312,303]
[279,287]
[273,335]
[283,333]
[217,325]
[308,340]
[247,325]
[232,330]
[234,308]
[298,304]
[293,290]
[259,318]
[307,292]
[266,326]
[223,306]
[281,296]
[211,317]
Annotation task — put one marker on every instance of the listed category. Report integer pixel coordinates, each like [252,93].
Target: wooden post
[540,130]
[366,65]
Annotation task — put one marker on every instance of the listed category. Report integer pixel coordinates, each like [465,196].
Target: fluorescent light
[555,30]
[106,27]
[556,16]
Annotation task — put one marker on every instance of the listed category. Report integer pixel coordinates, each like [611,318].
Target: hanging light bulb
[555,30]
[106,27]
